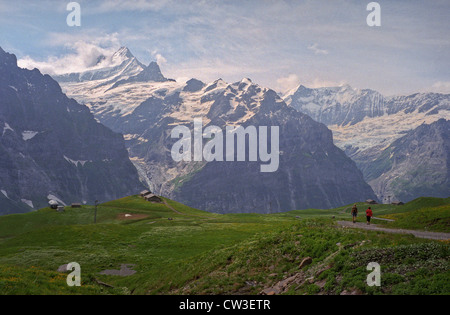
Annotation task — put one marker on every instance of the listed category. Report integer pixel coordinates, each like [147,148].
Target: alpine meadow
[222,156]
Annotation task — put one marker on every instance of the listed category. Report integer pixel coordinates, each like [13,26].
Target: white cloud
[84,56]
[160,60]
[132,5]
[439,87]
[208,70]
[318,51]
[290,82]
[318,83]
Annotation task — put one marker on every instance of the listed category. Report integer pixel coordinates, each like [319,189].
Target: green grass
[250,266]
[435,219]
[188,251]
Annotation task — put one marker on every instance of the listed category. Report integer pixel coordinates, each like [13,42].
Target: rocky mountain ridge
[53,148]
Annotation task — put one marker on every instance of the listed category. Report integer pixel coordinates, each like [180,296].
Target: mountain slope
[312,171]
[52,147]
[414,165]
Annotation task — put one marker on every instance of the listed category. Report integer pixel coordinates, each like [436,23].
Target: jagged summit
[123,52]
[118,66]
[151,73]
[193,85]
[7,59]
[124,68]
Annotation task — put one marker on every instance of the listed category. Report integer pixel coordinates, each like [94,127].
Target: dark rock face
[415,165]
[151,73]
[312,173]
[193,85]
[51,147]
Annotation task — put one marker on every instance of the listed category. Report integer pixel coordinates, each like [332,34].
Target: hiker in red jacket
[369,215]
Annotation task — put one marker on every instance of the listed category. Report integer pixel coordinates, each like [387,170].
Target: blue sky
[278,44]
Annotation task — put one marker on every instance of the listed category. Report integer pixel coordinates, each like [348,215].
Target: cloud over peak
[83,56]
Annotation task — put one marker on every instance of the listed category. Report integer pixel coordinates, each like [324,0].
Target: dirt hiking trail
[374,227]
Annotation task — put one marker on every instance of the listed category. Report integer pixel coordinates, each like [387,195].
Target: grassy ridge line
[435,219]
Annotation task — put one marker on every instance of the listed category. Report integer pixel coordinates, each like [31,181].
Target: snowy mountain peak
[301,88]
[193,85]
[123,68]
[109,69]
[218,84]
[152,73]
[124,53]
[219,81]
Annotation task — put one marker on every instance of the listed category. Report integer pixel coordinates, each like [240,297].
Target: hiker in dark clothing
[354,212]
[369,215]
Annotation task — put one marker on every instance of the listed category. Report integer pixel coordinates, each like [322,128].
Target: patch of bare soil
[125,270]
[374,227]
[131,216]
